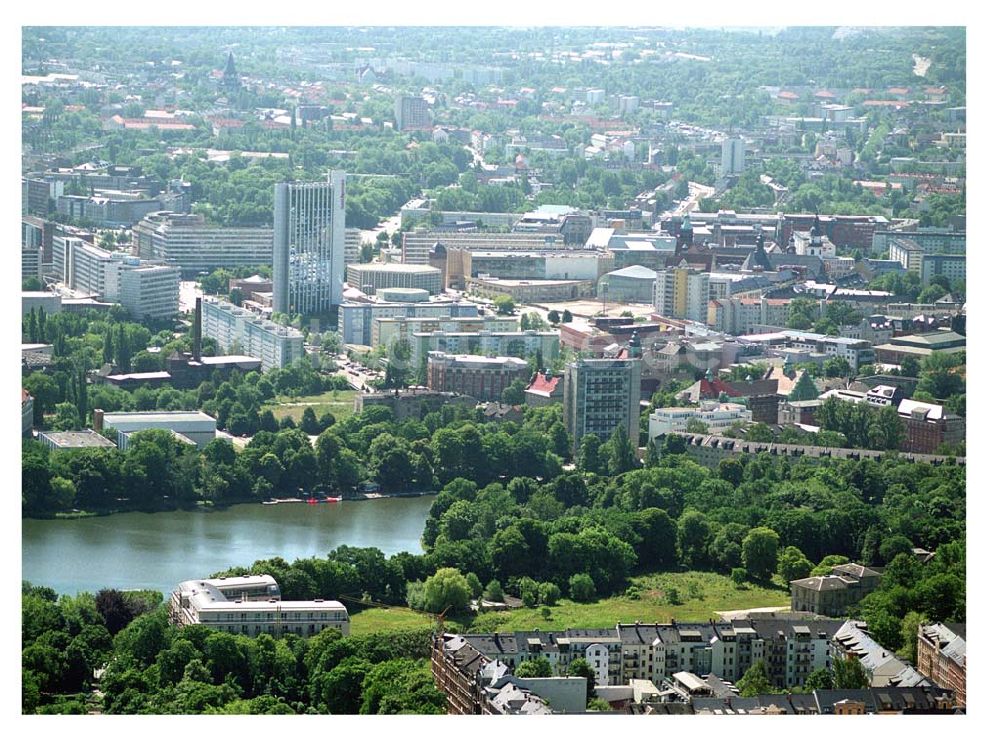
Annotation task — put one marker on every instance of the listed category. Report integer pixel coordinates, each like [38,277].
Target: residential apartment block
[738,315]
[412,113]
[150,292]
[803,347]
[239,331]
[356,322]
[941,656]
[599,396]
[411,403]
[387,330]
[252,605]
[682,293]
[884,668]
[520,344]
[790,649]
[146,290]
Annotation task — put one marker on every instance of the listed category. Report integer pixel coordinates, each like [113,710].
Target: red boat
[332,499]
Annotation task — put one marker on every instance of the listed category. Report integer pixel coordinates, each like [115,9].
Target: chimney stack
[196,339]
[98,420]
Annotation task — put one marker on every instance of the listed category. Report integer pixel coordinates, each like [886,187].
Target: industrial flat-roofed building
[196,426]
[74,440]
[371,277]
[252,605]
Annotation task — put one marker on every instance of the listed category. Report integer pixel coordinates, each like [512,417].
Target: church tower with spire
[230,78]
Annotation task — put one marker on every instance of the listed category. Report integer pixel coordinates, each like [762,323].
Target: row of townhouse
[791,649]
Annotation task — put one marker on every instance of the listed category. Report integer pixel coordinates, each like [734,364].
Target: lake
[137,550]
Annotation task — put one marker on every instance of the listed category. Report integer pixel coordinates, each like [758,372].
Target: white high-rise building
[733,156]
[150,292]
[188,242]
[309,245]
[239,331]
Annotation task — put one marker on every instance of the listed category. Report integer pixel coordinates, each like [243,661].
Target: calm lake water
[156,551]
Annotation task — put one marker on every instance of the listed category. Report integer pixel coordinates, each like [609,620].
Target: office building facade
[150,292]
[599,396]
[188,242]
[371,277]
[308,256]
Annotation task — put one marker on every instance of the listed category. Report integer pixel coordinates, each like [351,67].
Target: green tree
[400,686]
[849,673]
[693,535]
[447,589]
[534,668]
[826,565]
[588,454]
[819,680]
[793,565]
[581,588]
[620,453]
[754,681]
[580,668]
[475,585]
[760,552]
[504,304]
[493,591]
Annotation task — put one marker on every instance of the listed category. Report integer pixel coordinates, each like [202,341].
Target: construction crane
[438,618]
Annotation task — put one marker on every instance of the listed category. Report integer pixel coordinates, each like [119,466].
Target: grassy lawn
[339,403]
[699,594]
[375,619]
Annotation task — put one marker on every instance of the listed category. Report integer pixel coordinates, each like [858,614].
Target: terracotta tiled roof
[543,385]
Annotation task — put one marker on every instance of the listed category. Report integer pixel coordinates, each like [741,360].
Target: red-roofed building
[825,95]
[545,388]
[142,124]
[787,97]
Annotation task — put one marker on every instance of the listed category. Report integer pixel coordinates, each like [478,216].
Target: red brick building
[941,656]
[481,377]
[928,425]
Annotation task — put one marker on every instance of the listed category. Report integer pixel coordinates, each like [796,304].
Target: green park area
[660,597]
[338,402]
